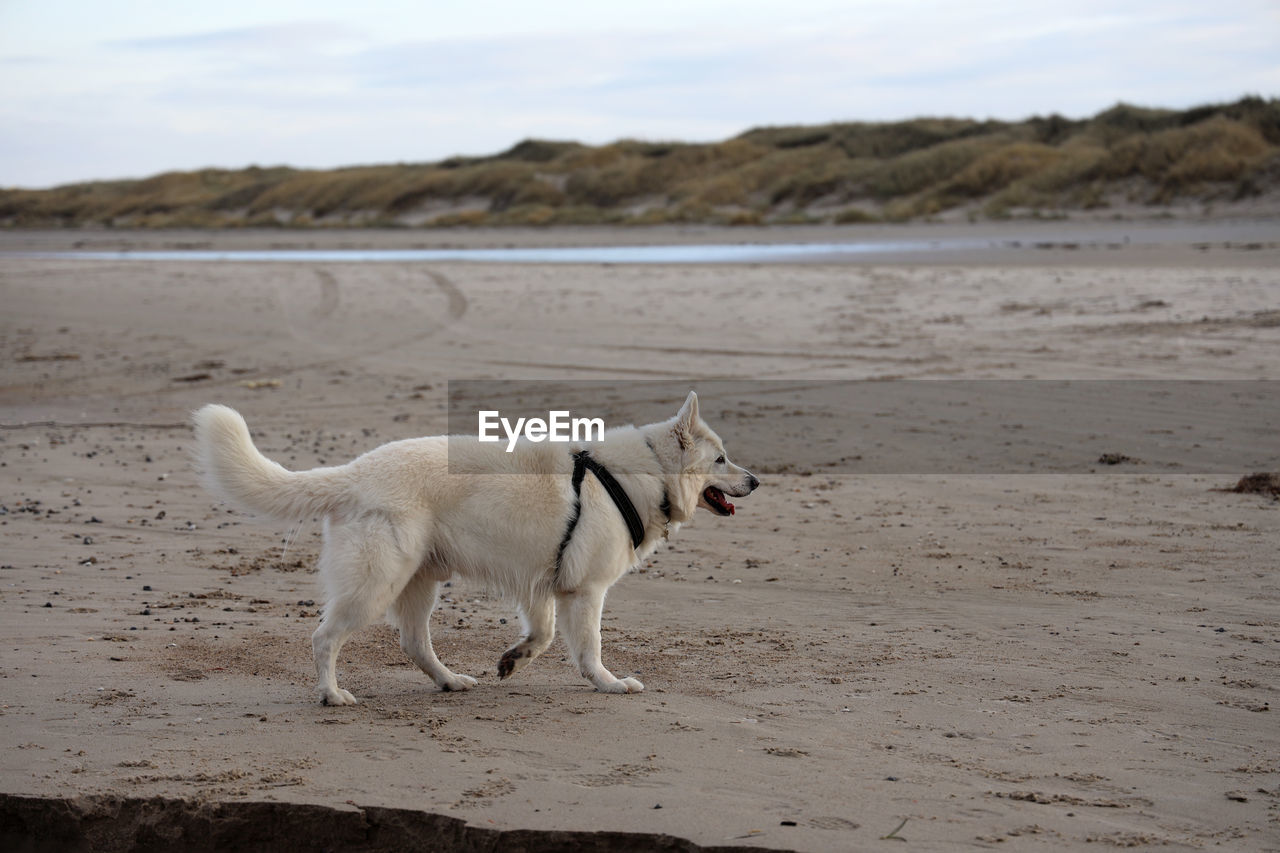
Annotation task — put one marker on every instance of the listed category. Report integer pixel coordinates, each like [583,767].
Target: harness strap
[582,462]
[620,499]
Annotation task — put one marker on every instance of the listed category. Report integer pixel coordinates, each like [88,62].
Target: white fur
[407,515]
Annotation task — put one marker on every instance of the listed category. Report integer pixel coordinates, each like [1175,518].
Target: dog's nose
[752,482]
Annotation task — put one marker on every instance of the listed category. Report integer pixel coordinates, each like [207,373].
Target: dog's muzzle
[714,499]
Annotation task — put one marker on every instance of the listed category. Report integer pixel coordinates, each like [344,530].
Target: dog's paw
[622,685]
[513,660]
[337,697]
[457,683]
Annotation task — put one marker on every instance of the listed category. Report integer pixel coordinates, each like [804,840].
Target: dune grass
[844,173]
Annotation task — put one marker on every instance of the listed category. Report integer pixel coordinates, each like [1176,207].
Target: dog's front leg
[539,620]
[580,624]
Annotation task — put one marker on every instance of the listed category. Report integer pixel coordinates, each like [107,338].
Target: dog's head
[706,474]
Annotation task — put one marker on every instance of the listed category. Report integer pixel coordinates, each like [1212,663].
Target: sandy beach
[953,659]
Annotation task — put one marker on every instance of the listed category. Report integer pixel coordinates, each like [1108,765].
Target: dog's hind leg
[364,569]
[539,620]
[580,623]
[412,612]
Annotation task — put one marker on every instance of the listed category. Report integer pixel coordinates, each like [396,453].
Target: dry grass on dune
[852,172]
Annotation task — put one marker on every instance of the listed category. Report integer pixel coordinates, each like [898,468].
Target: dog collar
[665,507]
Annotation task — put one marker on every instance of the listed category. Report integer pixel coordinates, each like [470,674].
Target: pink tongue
[715,496]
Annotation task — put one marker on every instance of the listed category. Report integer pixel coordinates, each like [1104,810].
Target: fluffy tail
[235,471]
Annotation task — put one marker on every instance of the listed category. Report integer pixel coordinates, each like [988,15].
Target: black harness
[582,462]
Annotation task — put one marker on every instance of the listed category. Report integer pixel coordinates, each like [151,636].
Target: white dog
[551,526]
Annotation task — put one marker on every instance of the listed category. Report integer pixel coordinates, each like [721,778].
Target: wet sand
[1046,659]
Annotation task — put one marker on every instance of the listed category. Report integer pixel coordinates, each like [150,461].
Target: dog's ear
[689,411]
[685,420]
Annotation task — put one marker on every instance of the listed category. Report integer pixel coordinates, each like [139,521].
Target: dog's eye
[720,459]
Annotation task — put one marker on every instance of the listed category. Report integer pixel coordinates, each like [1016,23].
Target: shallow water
[888,244]
[714,253]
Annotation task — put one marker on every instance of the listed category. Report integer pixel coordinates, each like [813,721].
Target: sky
[100,90]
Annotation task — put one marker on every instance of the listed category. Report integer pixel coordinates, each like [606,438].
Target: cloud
[292,36]
[328,89]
